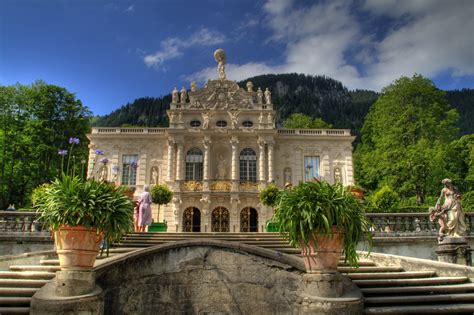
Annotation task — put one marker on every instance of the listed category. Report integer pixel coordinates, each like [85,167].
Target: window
[247,124]
[221,123]
[129,167]
[195,123]
[311,168]
[248,165]
[194,161]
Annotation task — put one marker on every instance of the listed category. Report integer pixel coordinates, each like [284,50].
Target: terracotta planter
[358,193]
[77,247]
[325,256]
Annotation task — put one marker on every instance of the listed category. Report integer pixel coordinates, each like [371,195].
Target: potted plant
[81,213]
[161,195]
[325,221]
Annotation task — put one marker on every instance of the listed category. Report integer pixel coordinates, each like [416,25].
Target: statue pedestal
[454,250]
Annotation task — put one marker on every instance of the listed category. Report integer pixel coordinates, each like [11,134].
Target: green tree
[404,137]
[302,121]
[37,120]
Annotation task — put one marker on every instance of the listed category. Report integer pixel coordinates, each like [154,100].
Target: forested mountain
[317,96]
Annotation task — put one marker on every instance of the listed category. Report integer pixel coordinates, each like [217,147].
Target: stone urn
[323,251]
[77,246]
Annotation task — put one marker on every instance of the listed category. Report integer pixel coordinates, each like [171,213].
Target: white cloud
[331,38]
[173,47]
[130,8]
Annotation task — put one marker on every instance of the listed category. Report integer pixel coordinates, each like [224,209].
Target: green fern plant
[313,208]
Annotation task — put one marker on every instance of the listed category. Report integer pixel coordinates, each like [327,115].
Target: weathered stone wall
[212,277]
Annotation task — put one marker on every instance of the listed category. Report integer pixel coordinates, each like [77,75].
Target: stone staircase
[387,289]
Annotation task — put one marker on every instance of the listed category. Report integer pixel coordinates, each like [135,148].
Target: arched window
[248,165]
[194,164]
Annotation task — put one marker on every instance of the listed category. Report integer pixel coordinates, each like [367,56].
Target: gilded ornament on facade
[221,185]
[192,185]
[248,186]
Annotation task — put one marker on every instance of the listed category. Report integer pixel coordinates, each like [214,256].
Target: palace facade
[220,148]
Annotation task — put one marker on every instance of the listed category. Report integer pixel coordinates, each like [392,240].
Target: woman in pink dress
[144,213]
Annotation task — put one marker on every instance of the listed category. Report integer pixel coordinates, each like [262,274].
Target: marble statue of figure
[287,176]
[259,96]
[193,86]
[103,173]
[268,96]
[220,57]
[450,215]
[180,118]
[270,118]
[221,171]
[234,119]
[337,175]
[260,119]
[172,118]
[154,175]
[205,120]
[174,95]
[184,95]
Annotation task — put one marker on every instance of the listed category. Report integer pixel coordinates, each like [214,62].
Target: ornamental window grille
[247,124]
[194,162]
[248,165]
[311,168]
[221,123]
[129,169]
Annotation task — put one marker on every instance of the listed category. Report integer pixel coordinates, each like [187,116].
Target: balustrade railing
[21,221]
[409,224]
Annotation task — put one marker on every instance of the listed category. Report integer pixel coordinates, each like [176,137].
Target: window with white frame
[248,165]
[311,168]
[129,169]
[194,160]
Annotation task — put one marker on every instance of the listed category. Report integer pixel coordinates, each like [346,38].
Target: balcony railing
[315,132]
[105,130]
[20,221]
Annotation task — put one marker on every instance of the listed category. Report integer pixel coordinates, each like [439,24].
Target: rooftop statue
[219,56]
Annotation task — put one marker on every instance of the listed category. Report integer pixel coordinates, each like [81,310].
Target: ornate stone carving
[268,96]
[221,185]
[259,96]
[220,57]
[234,119]
[221,94]
[248,186]
[193,86]
[337,175]
[206,117]
[184,95]
[154,175]
[249,86]
[174,95]
[192,185]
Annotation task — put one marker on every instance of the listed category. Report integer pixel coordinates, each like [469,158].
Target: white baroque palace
[221,147]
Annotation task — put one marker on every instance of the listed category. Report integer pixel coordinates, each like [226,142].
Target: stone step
[370,269]
[14,300]
[421,299]
[27,275]
[14,310]
[34,268]
[17,292]
[423,289]
[391,275]
[28,283]
[362,263]
[456,308]
[49,262]
[410,282]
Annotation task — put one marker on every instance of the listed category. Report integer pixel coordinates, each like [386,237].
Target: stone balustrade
[20,221]
[105,130]
[409,224]
[314,132]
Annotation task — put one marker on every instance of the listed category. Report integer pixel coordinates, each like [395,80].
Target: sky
[111,52]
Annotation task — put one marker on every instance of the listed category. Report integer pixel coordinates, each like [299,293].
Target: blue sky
[111,52]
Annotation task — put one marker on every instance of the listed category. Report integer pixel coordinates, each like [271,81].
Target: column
[270,162]
[179,161]
[206,167]
[261,160]
[234,142]
[170,176]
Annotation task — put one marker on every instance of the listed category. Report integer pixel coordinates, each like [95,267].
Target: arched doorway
[192,220]
[248,220]
[220,220]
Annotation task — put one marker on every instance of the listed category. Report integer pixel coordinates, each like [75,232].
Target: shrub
[269,195]
[38,194]
[161,194]
[467,201]
[384,200]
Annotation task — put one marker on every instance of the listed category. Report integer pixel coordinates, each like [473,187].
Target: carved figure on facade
[205,120]
[287,176]
[268,96]
[450,215]
[220,57]
[184,95]
[172,117]
[337,175]
[103,174]
[180,118]
[260,119]
[221,167]
[154,175]
[234,119]
[270,119]
[174,95]
[259,96]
